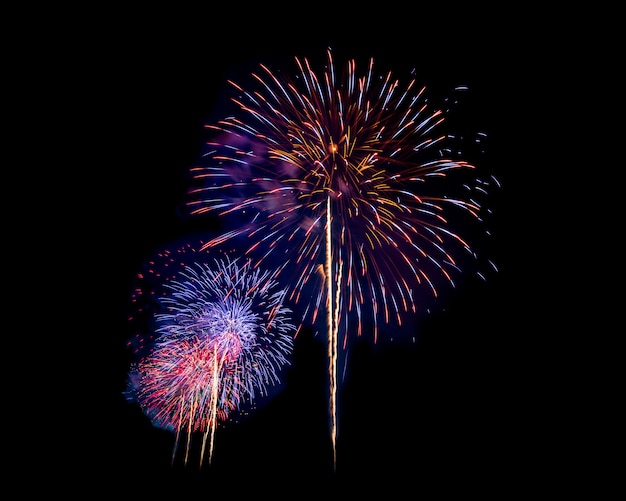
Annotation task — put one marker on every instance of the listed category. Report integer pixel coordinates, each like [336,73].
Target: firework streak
[345,180]
[221,339]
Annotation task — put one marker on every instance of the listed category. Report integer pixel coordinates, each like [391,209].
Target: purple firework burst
[221,340]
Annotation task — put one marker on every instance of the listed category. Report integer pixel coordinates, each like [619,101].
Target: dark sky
[451,411]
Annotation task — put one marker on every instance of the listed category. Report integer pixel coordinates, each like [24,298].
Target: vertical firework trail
[221,335]
[346,179]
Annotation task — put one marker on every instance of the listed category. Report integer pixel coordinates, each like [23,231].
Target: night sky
[455,410]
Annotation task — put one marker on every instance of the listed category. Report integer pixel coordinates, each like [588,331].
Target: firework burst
[221,339]
[348,180]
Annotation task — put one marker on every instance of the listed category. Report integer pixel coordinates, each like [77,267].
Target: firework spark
[220,342]
[347,178]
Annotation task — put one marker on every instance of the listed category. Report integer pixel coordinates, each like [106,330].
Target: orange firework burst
[345,174]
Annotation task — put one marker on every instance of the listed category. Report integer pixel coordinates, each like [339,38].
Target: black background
[470,407]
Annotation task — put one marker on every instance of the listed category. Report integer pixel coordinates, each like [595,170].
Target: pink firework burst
[220,343]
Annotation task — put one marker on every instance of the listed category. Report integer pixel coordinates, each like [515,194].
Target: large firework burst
[221,340]
[345,179]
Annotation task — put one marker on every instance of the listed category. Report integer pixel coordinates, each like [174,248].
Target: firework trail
[346,179]
[221,339]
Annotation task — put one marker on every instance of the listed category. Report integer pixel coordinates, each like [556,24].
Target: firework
[221,339]
[348,180]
